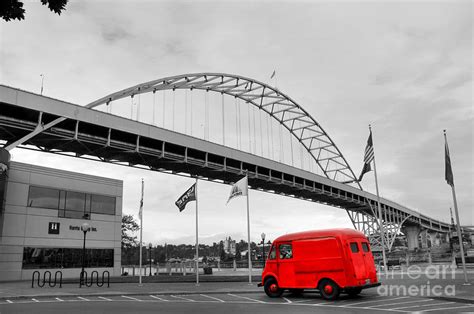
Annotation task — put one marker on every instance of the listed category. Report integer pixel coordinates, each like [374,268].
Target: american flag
[368,156]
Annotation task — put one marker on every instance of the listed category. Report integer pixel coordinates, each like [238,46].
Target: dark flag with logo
[368,156]
[448,171]
[188,196]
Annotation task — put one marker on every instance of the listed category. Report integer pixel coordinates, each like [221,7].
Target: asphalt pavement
[416,291]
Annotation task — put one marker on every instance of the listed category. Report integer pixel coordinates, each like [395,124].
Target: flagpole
[458,225]
[248,235]
[141,234]
[382,233]
[197,233]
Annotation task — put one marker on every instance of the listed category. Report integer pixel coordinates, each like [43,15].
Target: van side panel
[318,258]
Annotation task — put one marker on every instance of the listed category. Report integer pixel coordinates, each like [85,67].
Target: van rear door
[358,262]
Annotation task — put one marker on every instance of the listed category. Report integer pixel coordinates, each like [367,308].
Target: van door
[355,251]
[286,272]
[271,262]
[368,260]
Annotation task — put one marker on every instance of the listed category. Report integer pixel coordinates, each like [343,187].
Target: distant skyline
[403,67]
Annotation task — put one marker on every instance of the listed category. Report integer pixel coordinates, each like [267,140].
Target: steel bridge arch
[278,105]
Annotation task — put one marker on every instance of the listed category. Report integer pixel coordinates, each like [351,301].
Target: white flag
[239,189]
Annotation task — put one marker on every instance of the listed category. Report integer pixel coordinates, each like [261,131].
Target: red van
[333,261]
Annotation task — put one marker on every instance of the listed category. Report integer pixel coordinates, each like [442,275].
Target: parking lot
[230,303]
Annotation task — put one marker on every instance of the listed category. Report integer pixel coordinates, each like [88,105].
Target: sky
[404,67]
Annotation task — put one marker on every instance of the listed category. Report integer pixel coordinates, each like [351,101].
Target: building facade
[42,211]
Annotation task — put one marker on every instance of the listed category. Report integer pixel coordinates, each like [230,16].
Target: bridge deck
[101,136]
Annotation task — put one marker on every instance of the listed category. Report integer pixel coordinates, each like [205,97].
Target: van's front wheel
[271,288]
[328,289]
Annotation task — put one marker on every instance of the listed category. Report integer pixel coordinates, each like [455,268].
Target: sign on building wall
[53,228]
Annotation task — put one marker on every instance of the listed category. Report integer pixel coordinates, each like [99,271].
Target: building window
[34,258]
[101,204]
[43,197]
[71,204]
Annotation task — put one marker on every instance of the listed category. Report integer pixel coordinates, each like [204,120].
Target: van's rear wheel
[353,291]
[328,289]
[271,288]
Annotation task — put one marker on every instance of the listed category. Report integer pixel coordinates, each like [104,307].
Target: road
[230,303]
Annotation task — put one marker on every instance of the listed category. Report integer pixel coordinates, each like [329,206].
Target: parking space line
[400,303]
[213,298]
[449,308]
[242,297]
[60,300]
[83,299]
[301,301]
[131,298]
[104,298]
[371,301]
[34,300]
[409,307]
[182,298]
[158,298]
[287,301]
[9,301]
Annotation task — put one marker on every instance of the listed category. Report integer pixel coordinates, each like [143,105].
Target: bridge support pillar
[424,239]
[411,232]
[435,241]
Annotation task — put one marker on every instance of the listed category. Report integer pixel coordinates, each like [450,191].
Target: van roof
[342,233]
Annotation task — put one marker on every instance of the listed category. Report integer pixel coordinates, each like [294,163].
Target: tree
[129,225]
[13,9]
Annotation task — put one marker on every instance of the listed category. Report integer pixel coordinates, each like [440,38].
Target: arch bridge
[37,122]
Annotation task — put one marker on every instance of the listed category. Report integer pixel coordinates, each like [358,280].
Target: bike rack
[50,283]
[83,279]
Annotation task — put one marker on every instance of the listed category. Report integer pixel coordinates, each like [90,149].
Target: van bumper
[372,285]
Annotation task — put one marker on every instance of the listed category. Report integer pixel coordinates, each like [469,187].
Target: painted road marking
[400,303]
[158,298]
[131,298]
[104,298]
[9,301]
[208,296]
[35,300]
[183,298]
[83,299]
[372,301]
[449,308]
[287,301]
[242,297]
[409,307]
[60,300]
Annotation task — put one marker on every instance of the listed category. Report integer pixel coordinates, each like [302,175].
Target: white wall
[24,226]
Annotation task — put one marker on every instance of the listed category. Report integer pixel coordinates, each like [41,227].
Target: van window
[286,251]
[272,254]
[365,247]
[354,247]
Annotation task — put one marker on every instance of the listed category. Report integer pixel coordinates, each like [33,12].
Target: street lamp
[263,248]
[149,256]
[85,227]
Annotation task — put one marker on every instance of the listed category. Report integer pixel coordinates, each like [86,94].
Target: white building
[41,214]
[229,246]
